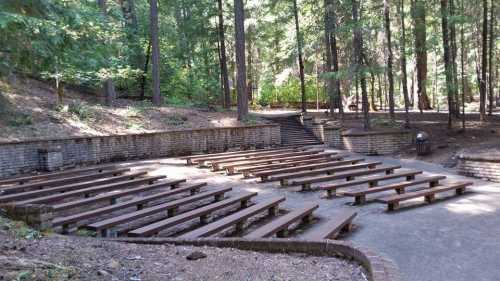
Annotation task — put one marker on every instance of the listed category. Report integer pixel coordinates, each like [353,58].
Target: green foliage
[19,229]
[79,110]
[175,119]
[20,119]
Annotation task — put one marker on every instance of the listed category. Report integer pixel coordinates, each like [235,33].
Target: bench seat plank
[328,170]
[156,227]
[91,190]
[251,170]
[231,169]
[220,165]
[130,217]
[429,193]
[138,201]
[200,159]
[372,181]
[298,168]
[70,187]
[62,181]
[114,195]
[235,218]
[23,179]
[282,223]
[360,195]
[341,221]
[347,175]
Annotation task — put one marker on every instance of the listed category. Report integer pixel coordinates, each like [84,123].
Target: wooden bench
[340,222]
[360,195]
[46,176]
[284,179]
[62,181]
[194,159]
[264,175]
[203,213]
[91,190]
[231,169]
[170,207]
[428,194]
[138,202]
[238,219]
[203,162]
[349,176]
[70,187]
[371,181]
[280,225]
[113,196]
[219,165]
[249,171]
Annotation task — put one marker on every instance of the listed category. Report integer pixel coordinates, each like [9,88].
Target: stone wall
[26,156]
[480,166]
[369,143]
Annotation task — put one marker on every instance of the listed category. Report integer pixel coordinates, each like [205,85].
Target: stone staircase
[293,133]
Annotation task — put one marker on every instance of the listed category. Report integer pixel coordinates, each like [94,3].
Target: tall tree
[491,63]
[359,63]
[155,53]
[453,48]
[300,57]
[108,87]
[387,21]
[402,46]
[447,58]
[419,15]
[239,30]
[332,62]
[462,62]
[484,63]
[223,58]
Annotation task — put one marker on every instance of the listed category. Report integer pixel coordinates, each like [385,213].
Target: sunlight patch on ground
[470,207]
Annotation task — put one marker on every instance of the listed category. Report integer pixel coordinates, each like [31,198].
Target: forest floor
[447,144]
[28,255]
[28,109]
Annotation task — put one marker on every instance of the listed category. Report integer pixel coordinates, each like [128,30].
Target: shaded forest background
[360,54]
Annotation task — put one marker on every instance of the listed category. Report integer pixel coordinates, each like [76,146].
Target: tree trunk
[421,52]
[453,42]
[155,55]
[447,58]
[491,80]
[145,72]
[301,62]
[359,64]
[387,20]
[223,58]
[330,82]
[404,79]
[239,29]
[249,63]
[372,91]
[462,62]
[108,88]
[484,64]
[133,38]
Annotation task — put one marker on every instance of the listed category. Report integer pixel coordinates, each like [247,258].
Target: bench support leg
[460,191]
[244,204]
[392,206]
[264,178]
[346,228]
[240,226]
[282,233]
[330,193]
[204,219]
[65,229]
[389,172]
[349,178]
[284,182]
[306,187]
[360,199]
[400,190]
[430,198]
[433,184]
[140,207]
[410,178]
[171,212]
[373,184]
[112,201]
[273,211]
[307,219]
[219,197]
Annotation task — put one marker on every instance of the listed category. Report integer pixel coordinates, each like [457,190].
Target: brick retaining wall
[487,167]
[370,143]
[26,156]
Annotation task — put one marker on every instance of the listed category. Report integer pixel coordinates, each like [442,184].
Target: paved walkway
[457,239]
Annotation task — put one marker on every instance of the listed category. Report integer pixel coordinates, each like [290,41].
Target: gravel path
[80,258]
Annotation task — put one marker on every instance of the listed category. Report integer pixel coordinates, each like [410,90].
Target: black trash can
[423,144]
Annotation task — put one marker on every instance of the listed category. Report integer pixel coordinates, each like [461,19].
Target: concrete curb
[378,268]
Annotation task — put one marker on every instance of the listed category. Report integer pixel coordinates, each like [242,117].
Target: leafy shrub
[175,119]
[80,110]
[19,119]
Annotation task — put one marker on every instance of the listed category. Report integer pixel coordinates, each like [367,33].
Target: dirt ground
[28,255]
[446,144]
[28,109]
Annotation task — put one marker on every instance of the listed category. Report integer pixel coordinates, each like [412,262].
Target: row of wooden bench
[330,172]
[108,198]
